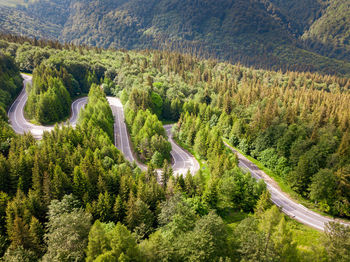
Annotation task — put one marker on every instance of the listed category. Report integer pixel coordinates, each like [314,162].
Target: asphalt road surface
[20,125]
[121,137]
[280,199]
[183,161]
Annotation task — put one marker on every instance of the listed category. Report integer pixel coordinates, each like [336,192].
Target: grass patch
[306,237]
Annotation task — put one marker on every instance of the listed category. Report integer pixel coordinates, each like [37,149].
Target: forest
[72,197]
[10,85]
[48,99]
[147,132]
[302,35]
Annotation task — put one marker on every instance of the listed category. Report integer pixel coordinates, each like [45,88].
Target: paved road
[183,161]
[280,199]
[20,125]
[121,137]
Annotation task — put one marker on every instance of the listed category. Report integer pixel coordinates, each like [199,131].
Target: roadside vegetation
[11,84]
[147,132]
[73,197]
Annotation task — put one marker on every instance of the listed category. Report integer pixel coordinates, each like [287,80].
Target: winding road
[182,160]
[20,125]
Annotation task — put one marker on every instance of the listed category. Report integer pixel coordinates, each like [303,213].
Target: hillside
[260,33]
[332,30]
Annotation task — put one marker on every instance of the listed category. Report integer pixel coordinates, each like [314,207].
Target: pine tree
[36,233]
[210,194]
[119,209]
[37,176]
[263,203]
[4,174]
[104,207]
[99,241]
[284,245]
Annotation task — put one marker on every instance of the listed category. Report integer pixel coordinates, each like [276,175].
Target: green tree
[210,194]
[19,254]
[139,217]
[337,242]
[119,209]
[207,241]
[176,216]
[157,159]
[268,222]
[284,246]
[156,104]
[112,243]
[67,231]
[323,188]
[99,240]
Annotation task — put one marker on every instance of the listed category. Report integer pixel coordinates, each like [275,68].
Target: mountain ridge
[271,34]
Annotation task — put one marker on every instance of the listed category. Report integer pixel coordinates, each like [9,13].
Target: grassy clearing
[308,239]
[231,216]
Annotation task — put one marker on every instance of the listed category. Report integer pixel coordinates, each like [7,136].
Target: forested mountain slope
[262,33]
[332,30]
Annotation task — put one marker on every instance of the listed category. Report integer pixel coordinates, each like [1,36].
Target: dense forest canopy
[10,86]
[301,35]
[48,98]
[73,197]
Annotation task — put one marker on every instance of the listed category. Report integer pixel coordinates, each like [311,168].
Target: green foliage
[337,242]
[11,81]
[266,238]
[297,35]
[156,104]
[323,188]
[10,86]
[67,231]
[239,191]
[109,242]
[331,32]
[48,98]
[98,112]
[184,236]
[293,121]
[19,254]
[147,132]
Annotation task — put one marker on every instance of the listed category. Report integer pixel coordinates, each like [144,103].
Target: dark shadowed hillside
[278,34]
